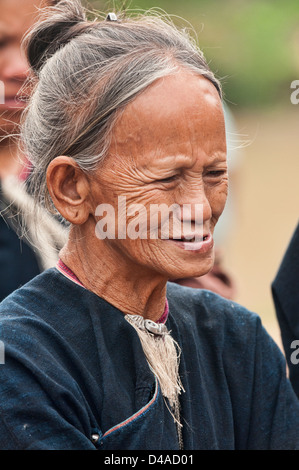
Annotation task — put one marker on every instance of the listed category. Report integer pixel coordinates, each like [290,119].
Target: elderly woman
[102,352]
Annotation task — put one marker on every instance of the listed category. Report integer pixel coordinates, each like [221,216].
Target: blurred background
[253,47]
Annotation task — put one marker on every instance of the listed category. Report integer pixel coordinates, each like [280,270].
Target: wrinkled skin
[168,147]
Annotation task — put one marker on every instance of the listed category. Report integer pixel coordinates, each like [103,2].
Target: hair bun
[56,26]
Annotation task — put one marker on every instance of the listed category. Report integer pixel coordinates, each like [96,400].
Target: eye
[216,173]
[170,179]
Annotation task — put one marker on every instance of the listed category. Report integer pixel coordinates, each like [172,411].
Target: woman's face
[168,147]
[17,16]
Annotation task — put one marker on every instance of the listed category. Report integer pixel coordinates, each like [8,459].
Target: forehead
[177,115]
[18,15]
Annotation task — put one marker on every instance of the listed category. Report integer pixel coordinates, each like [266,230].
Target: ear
[68,186]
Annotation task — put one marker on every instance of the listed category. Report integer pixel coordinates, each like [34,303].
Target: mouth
[197,243]
[191,238]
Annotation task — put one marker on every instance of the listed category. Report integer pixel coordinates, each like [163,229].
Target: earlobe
[69,189]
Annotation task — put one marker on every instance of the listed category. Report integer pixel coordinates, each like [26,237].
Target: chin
[188,271]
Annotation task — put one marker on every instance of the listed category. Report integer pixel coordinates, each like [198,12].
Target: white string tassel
[162,353]
[51,235]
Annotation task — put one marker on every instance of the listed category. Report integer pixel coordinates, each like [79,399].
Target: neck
[131,288]
[10,159]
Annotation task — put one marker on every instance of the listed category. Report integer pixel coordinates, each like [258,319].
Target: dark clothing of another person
[18,262]
[75,375]
[285,290]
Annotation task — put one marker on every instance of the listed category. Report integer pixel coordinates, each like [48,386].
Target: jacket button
[95,438]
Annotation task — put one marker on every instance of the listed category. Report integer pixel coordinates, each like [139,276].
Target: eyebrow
[178,160]
[218,159]
[187,160]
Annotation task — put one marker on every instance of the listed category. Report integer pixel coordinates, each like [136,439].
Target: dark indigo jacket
[74,368]
[18,262]
[285,290]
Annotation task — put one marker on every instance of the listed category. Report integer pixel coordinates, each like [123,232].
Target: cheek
[217,198]
[144,253]
[130,210]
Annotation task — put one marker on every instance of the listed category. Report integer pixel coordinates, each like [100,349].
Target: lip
[11,103]
[202,246]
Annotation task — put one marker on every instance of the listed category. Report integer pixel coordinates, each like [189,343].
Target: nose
[15,66]
[196,207]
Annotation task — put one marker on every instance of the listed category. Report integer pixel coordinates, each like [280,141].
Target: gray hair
[86,72]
